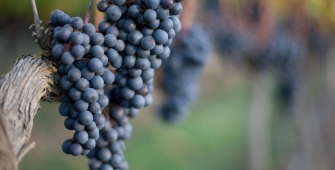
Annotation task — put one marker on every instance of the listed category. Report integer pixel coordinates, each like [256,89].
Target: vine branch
[36,27]
[21,89]
[88,13]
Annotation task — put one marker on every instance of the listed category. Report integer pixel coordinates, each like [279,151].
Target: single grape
[65,83]
[102,5]
[150,15]
[80,106]
[97,82]
[77,38]
[152,4]
[113,13]
[90,95]
[76,22]
[97,39]
[66,146]
[85,117]
[177,9]
[64,109]
[113,30]
[110,40]
[67,58]
[75,149]
[81,137]
[74,94]
[134,11]
[82,84]
[78,51]
[135,83]
[95,65]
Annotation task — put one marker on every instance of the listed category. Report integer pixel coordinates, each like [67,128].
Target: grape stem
[37,22]
[88,13]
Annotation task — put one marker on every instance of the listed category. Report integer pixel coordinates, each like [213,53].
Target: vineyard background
[216,134]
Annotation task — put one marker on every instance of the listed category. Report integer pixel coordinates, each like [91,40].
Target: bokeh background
[266,92]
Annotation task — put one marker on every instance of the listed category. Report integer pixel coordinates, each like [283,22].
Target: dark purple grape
[97,82]
[67,58]
[97,51]
[78,51]
[113,30]
[147,32]
[152,4]
[134,11]
[165,54]
[104,154]
[113,13]
[90,95]
[108,77]
[127,93]
[153,25]
[148,43]
[68,123]
[65,83]
[150,15]
[94,107]
[90,144]
[57,51]
[137,101]
[77,38]
[130,49]
[99,118]
[75,149]
[66,146]
[177,9]
[74,74]
[95,65]
[119,46]
[76,22]
[102,5]
[162,13]
[85,117]
[82,84]
[135,83]
[97,39]
[77,126]
[112,55]
[64,109]
[142,63]
[55,15]
[64,34]
[74,94]
[160,36]
[63,19]
[110,40]
[89,29]
[81,137]
[135,37]
[129,25]
[167,4]
[103,100]
[119,2]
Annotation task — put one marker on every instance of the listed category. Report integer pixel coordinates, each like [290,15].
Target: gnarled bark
[21,89]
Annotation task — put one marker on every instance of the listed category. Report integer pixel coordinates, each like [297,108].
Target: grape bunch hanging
[107,74]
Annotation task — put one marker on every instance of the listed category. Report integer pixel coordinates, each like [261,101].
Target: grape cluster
[83,68]
[146,29]
[181,72]
[133,41]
